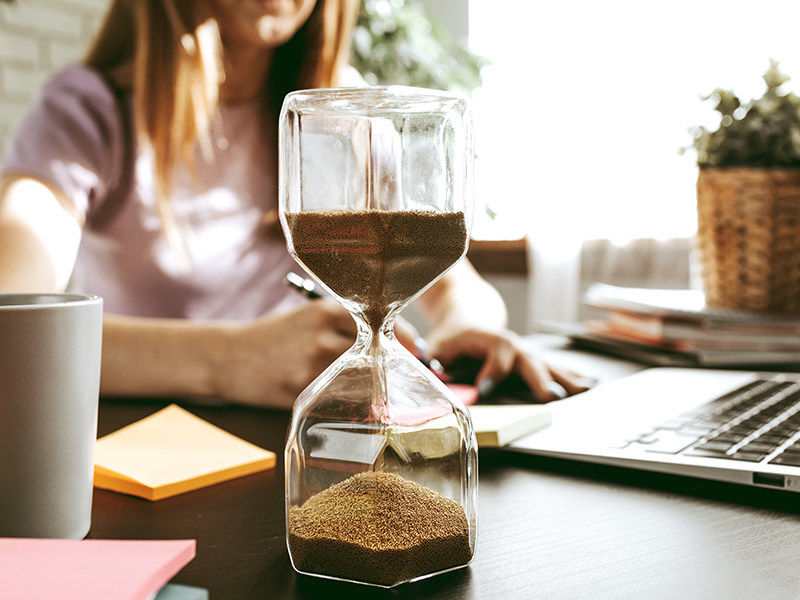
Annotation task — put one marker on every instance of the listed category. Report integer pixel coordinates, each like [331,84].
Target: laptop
[734,426]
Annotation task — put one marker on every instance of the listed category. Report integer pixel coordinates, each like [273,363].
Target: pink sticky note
[468,394]
[36,569]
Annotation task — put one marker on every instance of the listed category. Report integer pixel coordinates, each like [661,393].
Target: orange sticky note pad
[89,569]
[171,452]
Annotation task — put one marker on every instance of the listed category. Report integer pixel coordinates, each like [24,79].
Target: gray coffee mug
[49,386]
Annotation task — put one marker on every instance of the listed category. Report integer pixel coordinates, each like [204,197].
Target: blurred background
[581,109]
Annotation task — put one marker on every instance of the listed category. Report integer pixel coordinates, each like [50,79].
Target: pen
[302,285]
[309,289]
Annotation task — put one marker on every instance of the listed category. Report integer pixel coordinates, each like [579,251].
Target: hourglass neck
[373,337]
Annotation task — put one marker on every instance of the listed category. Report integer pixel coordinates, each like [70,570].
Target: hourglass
[381,458]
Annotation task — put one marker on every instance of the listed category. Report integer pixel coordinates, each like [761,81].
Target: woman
[148,173]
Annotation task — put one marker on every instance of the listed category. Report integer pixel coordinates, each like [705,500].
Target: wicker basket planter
[749,238]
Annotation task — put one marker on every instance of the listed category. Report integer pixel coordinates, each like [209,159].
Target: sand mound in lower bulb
[378,528]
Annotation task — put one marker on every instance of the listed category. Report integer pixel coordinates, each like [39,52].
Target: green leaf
[765,132]
[774,78]
[398,42]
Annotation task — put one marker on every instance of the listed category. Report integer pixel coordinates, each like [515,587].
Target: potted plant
[748,200]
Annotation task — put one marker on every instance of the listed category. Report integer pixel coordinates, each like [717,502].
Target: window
[582,114]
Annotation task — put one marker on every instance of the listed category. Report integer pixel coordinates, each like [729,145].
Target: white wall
[514,290]
[37,37]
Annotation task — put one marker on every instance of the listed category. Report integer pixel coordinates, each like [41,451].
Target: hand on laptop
[501,355]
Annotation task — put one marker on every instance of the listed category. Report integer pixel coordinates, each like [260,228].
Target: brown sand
[377,258]
[378,528]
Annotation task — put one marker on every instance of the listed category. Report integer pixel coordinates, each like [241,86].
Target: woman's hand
[269,361]
[265,362]
[502,353]
[470,320]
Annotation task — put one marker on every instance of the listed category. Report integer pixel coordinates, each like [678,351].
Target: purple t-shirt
[77,137]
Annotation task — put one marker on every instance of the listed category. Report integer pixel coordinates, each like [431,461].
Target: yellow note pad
[171,452]
[499,424]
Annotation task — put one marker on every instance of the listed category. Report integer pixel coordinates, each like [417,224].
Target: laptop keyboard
[758,422]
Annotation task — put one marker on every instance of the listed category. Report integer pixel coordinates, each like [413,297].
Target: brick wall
[36,38]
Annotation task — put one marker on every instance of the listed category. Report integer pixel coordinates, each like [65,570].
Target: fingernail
[423,355]
[486,387]
[587,382]
[556,390]
[436,366]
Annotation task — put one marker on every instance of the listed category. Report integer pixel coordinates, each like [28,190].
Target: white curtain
[555,278]
[561,275]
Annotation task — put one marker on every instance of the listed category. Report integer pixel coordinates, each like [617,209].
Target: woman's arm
[39,236]
[265,362]
[469,319]
[463,299]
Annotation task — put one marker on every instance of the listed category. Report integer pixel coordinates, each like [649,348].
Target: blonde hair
[168,53]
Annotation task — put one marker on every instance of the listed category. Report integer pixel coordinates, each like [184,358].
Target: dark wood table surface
[547,528]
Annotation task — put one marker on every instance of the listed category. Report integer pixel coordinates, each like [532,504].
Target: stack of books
[676,328]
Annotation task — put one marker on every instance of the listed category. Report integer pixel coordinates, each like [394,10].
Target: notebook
[736,426]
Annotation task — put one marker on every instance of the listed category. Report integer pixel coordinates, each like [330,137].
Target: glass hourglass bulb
[381,459]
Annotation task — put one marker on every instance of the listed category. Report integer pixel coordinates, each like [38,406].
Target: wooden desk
[547,529]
